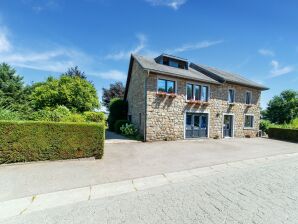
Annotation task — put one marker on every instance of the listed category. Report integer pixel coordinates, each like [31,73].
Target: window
[166,86]
[231,96]
[204,95]
[189,91]
[248,97]
[248,121]
[197,92]
[173,64]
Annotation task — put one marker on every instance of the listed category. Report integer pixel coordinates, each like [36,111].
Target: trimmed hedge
[283,134]
[118,111]
[22,141]
[118,124]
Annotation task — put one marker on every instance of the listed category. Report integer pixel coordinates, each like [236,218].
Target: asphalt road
[262,193]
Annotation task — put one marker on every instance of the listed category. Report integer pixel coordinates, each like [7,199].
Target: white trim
[222,123]
[248,91]
[253,122]
[196,112]
[231,88]
[201,84]
[166,78]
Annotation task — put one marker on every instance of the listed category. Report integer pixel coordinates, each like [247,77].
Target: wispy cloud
[111,74]
[266,52]
[42,5]
[278,70]
[174,4]
[4,42]
[125,54]
[195,46]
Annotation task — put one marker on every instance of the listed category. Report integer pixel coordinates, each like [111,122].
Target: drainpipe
[145,100]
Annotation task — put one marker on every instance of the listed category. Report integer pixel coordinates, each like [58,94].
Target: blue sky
[258,39]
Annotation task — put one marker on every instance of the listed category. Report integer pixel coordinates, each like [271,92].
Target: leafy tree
[283,108]
[118,111]
[74,92]
[75,72]
[116,90]
[13,94]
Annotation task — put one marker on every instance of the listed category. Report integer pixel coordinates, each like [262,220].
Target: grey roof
[150,64]
[223,76]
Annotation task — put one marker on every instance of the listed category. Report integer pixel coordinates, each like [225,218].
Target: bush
[94,116]
[128,130]
[58,114]
[118,111]
[8,115]
[78,118]
[118,124]
[283,134]
[264,125]
[23,141]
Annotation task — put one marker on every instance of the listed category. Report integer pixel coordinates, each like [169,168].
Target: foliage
[116,90]
[283,134]
[8,115]
[282,109]
[118,124]
[75,72]
[118,111]
[94,116]
[75,93]
[74,118]
[264,125]
[128,130]
[31,141]
[13,94]
[58,114]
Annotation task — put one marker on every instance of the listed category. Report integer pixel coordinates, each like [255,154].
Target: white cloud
[266,52]
[4,42]
[111,74]
[278,70]
[123,55]
[174,4]
[196,46]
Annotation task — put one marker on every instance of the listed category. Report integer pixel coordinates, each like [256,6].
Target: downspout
[145,100]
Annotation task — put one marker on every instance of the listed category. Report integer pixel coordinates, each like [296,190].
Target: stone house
[170,98]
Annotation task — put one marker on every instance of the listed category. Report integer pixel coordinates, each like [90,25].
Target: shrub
[264,125]
[118,111]
[23,141]
[74,118]
[58,114]
[283,134]
[8,115]
[128,130]
[94,116]
[118,124]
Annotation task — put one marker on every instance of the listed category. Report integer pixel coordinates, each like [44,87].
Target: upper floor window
[248,121]
[231,96]
[166,86]
[196,92]
[248,97]
[173,64]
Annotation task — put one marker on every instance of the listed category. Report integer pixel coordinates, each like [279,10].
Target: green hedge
[283,134]
[22,141]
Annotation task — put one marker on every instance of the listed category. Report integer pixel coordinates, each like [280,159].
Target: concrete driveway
[132,160]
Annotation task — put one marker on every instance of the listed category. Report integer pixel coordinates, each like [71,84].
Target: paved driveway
[132,160]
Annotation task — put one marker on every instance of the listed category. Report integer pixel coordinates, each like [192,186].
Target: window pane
[248,123]
[231,96]
[197,92]
[188,119]
[170,86]
[196,121]
[161,85]
[204,96]
[173,64]
[248,98]
[189,91]
[203,122]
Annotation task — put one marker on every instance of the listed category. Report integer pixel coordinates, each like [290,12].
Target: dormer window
[172,61]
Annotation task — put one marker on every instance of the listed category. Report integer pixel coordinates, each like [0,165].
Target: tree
[116,90]
[75,72]
[74,92]
[13,93]
[118,111]
[283,108]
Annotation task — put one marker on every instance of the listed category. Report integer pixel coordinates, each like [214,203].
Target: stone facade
[163,117]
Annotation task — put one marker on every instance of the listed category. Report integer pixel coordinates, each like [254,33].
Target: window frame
[253,121]
[250,102]
[201,85]
[234,95]
[166,79]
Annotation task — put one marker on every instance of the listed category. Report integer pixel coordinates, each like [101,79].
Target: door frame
[222,123]
[196,112]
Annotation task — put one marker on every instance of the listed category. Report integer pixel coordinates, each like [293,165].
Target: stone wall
[136,97]
[166,115]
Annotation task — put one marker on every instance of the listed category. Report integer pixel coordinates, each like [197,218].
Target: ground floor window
[248,121]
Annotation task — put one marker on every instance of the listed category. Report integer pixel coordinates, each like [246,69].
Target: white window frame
[201,87]
[166,78]
[253,121]
[229,95]
[250,92]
